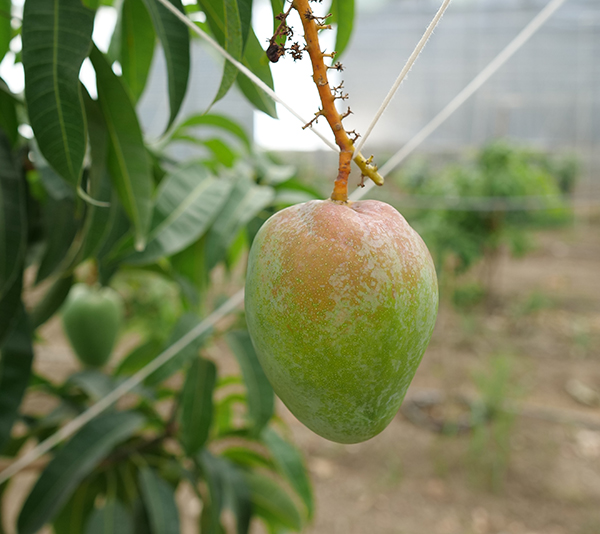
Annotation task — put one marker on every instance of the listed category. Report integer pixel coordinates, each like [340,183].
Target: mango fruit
[341,301]
[91,320]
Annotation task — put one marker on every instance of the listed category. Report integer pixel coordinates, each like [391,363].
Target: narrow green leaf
[256,60]
[271,502]
[5,27]
[186,204]
[233,44]
[74,515]
[289,462]
[260,392]
[8,113]
[95,384]
[57,35]
[186,323]
[15,369]
[247,457]
[197,405]
[175,39]
[9,306]
[128,161]
[245,201]
[13,222]
[245,10]
[228,488]
[343,17]
[137,45]
[139,357]
[159,500]
[72,463]
[221,151]
[97,222]
[52,300]
[212,120]
[112,518]
[61,225]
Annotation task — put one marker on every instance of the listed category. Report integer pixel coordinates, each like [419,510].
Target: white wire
[536,23]
[96,409]
[74,425]
[403,73]
[257,81]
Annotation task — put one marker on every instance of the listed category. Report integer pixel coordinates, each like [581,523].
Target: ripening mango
[341,301]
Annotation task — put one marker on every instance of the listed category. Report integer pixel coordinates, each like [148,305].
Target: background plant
[90,199]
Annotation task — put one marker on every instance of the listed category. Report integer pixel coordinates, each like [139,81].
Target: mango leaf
[139,357]
[196,404]
[61,226]
[245,201]
[112,518]
[5,27]
[256,60]
[8,112]
[186,204]
[72,463]
[137,39]
[56,39]
[175,39]
[260,392]
[159,501]
[290,464]
[97,218]
[223,17]
[15,368]
[9,306]
[186,323]
[13,222]
[51,301]
[128,160]
[74,515]
[212,120]
[228,489]
[95,384]
[246,457]
[271,502]
[343,17]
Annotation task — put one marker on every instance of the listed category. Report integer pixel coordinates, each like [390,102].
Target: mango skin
[91,320]
[341,301]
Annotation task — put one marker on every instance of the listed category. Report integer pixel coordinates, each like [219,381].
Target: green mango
[341,300]
[91,320]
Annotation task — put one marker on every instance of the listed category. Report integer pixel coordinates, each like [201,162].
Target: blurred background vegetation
[500,431]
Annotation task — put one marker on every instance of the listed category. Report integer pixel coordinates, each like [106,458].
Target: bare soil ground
[545,318]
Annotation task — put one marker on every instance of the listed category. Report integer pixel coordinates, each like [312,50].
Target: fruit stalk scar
[329,111]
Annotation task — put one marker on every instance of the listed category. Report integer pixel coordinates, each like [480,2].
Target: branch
[312,25]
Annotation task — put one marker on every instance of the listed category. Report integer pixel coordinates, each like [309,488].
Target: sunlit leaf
[197,405]
[137,40]
[175,40]
[128,160]
[72,463]
[5,27]
[260,392]
[56,39]
[159,500]
[343,17]
[16,356]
